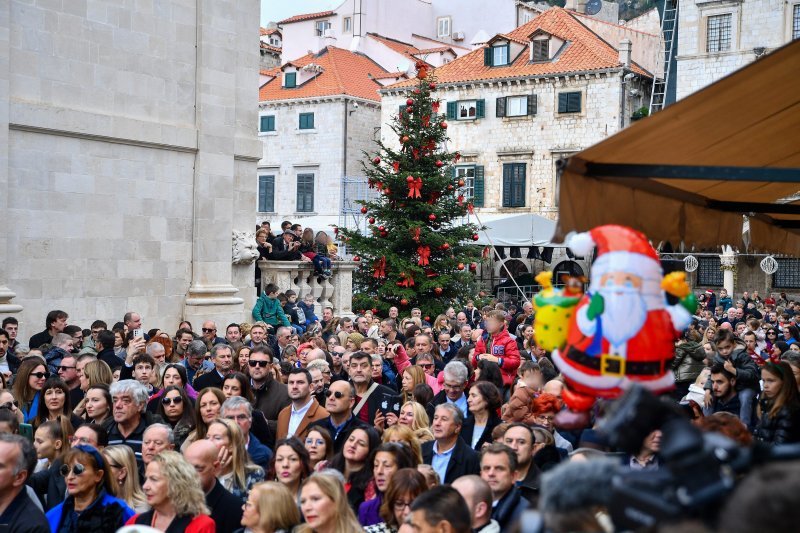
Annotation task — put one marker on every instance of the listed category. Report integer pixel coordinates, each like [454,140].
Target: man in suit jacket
[449,455]
[226,509]
[293,420]
[222,357]
[339,403]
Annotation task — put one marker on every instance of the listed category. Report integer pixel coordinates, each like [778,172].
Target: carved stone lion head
[244,247]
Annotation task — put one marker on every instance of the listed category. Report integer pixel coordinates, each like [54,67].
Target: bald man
[478,495]
[226,509]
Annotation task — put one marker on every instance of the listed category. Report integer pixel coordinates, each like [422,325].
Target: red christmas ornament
[473,267]
[410,179]
[431,217]
[396,166]
[443,125]
[404,139]
[461,266]
[475,237]
[445,246]
[415,153]
[450,187]
[336,231]
[377,160]
[461,183]
[438,291]
[409,102]
[403,301]
[409,110]
[356,258]
[374,311]
[458,156]
[426,121]
[371,220]
[416,91]
[435,106]
[432,86]
[384,234]
[381,228]
[364,210]
[427,318]
[439,164]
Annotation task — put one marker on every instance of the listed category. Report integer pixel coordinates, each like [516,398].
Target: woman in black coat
[483,401]
[779,406]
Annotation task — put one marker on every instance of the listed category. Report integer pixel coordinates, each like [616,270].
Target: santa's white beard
[624,313]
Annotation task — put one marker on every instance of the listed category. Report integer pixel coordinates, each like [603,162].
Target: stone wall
[538,141]
[130,132]
[755,24]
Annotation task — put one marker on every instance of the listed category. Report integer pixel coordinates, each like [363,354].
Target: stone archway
[570,268]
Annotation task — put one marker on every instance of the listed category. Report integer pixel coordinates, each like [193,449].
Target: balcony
[336,291]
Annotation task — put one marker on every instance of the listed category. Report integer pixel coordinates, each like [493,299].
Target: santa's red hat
[621,249]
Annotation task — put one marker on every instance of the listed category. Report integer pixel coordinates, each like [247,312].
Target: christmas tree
[417,252]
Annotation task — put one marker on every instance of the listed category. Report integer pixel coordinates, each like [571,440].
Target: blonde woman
[270,508]
[237,474]
[174,494]
[125,477]
[323,503]
[404,434]
[412,376]
[413,415]
[94,373]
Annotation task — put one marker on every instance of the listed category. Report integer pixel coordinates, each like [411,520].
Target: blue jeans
[298,329]
[747,398]
[321,263]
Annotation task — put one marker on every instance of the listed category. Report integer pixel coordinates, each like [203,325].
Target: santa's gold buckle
[616,364]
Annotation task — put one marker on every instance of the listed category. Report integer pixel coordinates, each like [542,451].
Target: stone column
[342,299]
[6,294]
[728,264]
[211,294]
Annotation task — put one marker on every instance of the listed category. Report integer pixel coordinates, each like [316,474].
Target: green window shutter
[451,110]
[532,104]
[562,102]
[477,197]
[262,126]
[480,108]
[518,193]
[290,80]
[305,192]
[500,107]
[266,194]
[306,121]
[508,54]
[508,173]
[487,56]
[575,102]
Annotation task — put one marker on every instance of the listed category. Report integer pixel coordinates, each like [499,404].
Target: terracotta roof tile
[307,16]
[264,31]
[435,50]
[584,51]
[271,48]
[343,73]
[398,46]
[440,42]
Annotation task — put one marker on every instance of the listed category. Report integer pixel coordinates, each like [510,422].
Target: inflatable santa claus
[622,330]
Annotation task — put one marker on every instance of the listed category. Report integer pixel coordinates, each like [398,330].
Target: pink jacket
[402,361]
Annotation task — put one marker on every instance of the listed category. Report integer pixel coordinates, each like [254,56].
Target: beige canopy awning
[690,172]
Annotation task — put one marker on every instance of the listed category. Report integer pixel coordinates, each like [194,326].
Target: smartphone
[26,430]
[391,403]
[138,333]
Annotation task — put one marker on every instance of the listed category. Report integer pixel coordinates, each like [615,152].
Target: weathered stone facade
[343,128]
[756,27]
[128,141]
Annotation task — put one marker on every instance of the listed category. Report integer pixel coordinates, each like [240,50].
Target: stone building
[127,151]
[270,47]
[715,37]
[316,116]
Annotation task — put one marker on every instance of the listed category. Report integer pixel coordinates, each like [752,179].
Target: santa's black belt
[615,365]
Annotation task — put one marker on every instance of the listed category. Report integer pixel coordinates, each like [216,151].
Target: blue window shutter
[575,102]
[508,53]
[266,194]
[500,107]
[290,80]
[451,110]
[532,104]
[480,108]
[305,192]
[487,56]
[508,175]
[263,122]
[519,185]
[562,102]
[477,197]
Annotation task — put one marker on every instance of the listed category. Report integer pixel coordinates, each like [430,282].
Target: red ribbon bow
[380,268]
[415,188]
[396,166]
[415,234]
[424,253]
[460,200]
[407,282]
[435,106]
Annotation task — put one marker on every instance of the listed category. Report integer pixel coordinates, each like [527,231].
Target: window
[788,274]
[347,25]
[709,273]
[796,21]
[266,123]
[569,102]
[466,109]
[290,80]
[526,17]
[540,50]
[500,55]
[443,27]
[516,106]
[266,194]
[718,33]
[473,183]
[320,26]
[514,185]
[305,193]
[306,121]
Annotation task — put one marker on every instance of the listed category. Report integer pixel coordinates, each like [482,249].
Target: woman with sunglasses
[7,401]
[174,375]
[176,409]
[791,334]
[206,410]
[31,376]
[125,476]
[89,505]
[55,406]
[319,445]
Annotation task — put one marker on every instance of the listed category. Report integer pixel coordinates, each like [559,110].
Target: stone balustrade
[299,276]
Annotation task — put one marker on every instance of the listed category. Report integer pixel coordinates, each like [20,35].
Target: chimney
[329,37]
[572,5]
[581,6]
[625,52]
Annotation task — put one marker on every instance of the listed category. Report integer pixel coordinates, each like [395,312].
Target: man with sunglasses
[18,513]
[339,404]
[269,394]
[68,371]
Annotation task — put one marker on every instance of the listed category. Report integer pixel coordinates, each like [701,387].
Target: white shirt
[297,416]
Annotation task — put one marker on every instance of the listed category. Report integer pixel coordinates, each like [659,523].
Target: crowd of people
[293,243]
[340,424]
